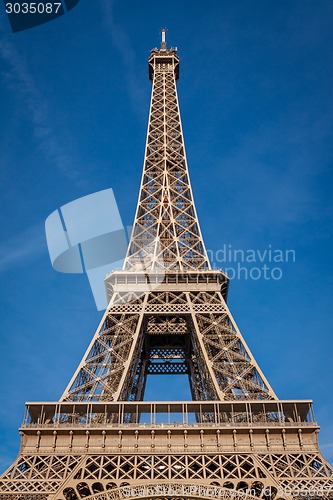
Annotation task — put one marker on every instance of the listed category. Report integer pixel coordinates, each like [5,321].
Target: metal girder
[218,361]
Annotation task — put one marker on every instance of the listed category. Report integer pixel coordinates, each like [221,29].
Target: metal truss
[98,473]
[168,332]
[166,229]
[167,314]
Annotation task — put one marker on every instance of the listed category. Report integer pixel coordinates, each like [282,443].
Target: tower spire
[166,228]
[163,42]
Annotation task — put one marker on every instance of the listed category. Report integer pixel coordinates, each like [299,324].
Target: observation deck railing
[173,413]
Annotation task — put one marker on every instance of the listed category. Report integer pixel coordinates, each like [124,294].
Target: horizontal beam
[165,368]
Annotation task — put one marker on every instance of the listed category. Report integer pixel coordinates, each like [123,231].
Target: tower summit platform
[163,56]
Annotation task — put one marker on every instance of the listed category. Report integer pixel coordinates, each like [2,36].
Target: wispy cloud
[277,167]
[22,248]
[123,44]
[20,80]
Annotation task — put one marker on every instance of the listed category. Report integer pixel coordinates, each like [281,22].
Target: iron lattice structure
[167,314]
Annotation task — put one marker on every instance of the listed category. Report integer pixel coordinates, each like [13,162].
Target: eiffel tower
[167,314]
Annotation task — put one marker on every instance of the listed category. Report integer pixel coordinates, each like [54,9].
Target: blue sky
[256,96]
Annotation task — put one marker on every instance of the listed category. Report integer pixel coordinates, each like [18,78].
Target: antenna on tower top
[163,33]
